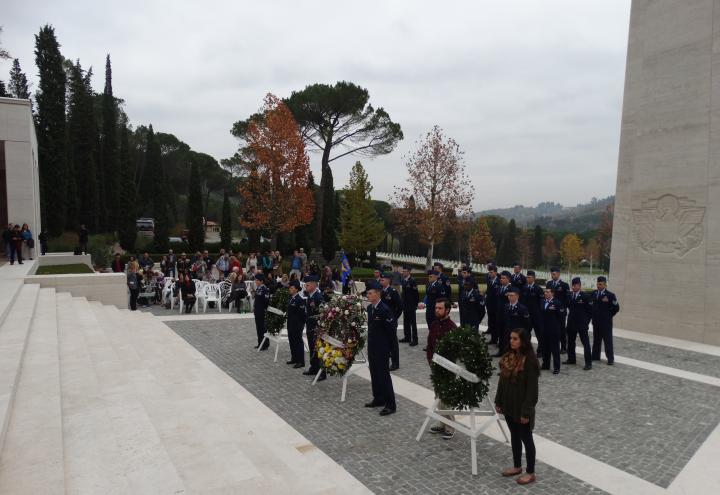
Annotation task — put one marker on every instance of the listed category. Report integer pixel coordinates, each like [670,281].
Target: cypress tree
[538,246]
[508,249]
[153,168]
[194,217]
[226,222]
[3,91]
[52,157]
[127,229]
[361,229]
[109,152]
[81,148]
[18,85]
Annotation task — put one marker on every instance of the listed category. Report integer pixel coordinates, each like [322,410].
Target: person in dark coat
[381,332]
[83,237]
[410,299]
[313,300]
[295,325]
[472,310]
[516,398]
[187,292]
[561,290]
[553,312]
[43,238]
[261,303]
[16,241]
[533,296]
[438,329]
[604,307]
[579,315]
[517,279]
[434,290]
[491,303]
[392,300]
[444,279]
[133,283]
[462,274]
[514,315]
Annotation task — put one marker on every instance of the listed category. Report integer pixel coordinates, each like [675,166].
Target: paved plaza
[624,429]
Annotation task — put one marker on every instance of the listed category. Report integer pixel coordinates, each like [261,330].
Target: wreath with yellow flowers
[342,328]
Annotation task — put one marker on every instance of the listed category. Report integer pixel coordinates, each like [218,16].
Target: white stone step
[32,458]
[14,331]
[90,447]
[200,411]
[148,467]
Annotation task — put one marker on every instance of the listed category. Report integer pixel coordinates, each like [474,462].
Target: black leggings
[520,435]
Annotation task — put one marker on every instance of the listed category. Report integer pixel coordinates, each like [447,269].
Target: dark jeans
[16,252]
[520,435]
[133,298]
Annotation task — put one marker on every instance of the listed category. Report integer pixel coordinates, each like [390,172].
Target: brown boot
[507,472]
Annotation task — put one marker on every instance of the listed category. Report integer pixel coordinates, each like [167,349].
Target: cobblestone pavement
[381,452]
[647,424]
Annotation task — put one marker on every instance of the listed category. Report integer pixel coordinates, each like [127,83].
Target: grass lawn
[63,269]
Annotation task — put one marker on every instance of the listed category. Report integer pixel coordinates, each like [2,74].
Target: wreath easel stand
[477,426]
[280,337]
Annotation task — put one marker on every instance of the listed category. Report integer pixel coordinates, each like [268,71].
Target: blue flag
[345,268]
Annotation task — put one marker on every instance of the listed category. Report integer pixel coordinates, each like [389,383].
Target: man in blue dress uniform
[410,299]
[295,325]
[604,307]
[381,331]
[392,300]
[260,304]
[491,303]
[553,311]
[561,290]
[579,314]
[313,300]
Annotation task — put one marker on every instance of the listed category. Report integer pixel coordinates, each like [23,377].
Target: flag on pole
[345,268]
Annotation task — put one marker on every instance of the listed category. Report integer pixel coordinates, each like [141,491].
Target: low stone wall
[108,288]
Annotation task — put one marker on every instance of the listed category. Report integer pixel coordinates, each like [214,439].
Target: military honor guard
[491,303]
[579,315]
[392,300]
[410,300]
[515,315]
[381,333]
[439,267]
[532,296]
[561,290]
[313,300]
[553,312]
[295,324]
[261,303]
[604,307]
[517,279]
[463,272]
[434,290]
[472,309]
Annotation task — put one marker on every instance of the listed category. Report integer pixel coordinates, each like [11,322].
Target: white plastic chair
[199,293]
[167,291]
[211,293]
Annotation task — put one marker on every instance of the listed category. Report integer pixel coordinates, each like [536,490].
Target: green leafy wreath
[464,346]
[274,322]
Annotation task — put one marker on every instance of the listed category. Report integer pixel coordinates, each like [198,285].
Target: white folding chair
[199,294]
[211,293]
[167,291]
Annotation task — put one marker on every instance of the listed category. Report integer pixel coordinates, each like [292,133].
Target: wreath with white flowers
[341,332]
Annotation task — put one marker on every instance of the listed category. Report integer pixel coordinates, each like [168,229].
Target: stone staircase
[98,400]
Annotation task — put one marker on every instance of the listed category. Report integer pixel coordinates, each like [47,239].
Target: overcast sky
[530,89]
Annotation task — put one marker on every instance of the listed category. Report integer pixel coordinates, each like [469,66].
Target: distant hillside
[554,216]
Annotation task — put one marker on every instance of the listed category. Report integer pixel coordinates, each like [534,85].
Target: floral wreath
[341,333]
[469,349]
[275,320]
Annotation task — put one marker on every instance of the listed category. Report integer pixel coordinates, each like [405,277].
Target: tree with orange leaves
[274,194]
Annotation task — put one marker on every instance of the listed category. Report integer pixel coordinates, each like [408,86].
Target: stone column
[665,260]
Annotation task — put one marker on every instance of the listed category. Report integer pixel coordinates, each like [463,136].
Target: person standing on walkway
[381,330]
[516,397]
[28,245]
[295,325]
[392,300]
[553,313]
[472,310]
[561,290]
[43,238]
[83,237]
[313,300]
[604,307]
[439,328]
[579,314]
[133,283]
[532,296]
[16,241]
[260,304]
[491,303]
[410,298]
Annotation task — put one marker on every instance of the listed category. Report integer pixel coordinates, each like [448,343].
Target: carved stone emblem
[669,225]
